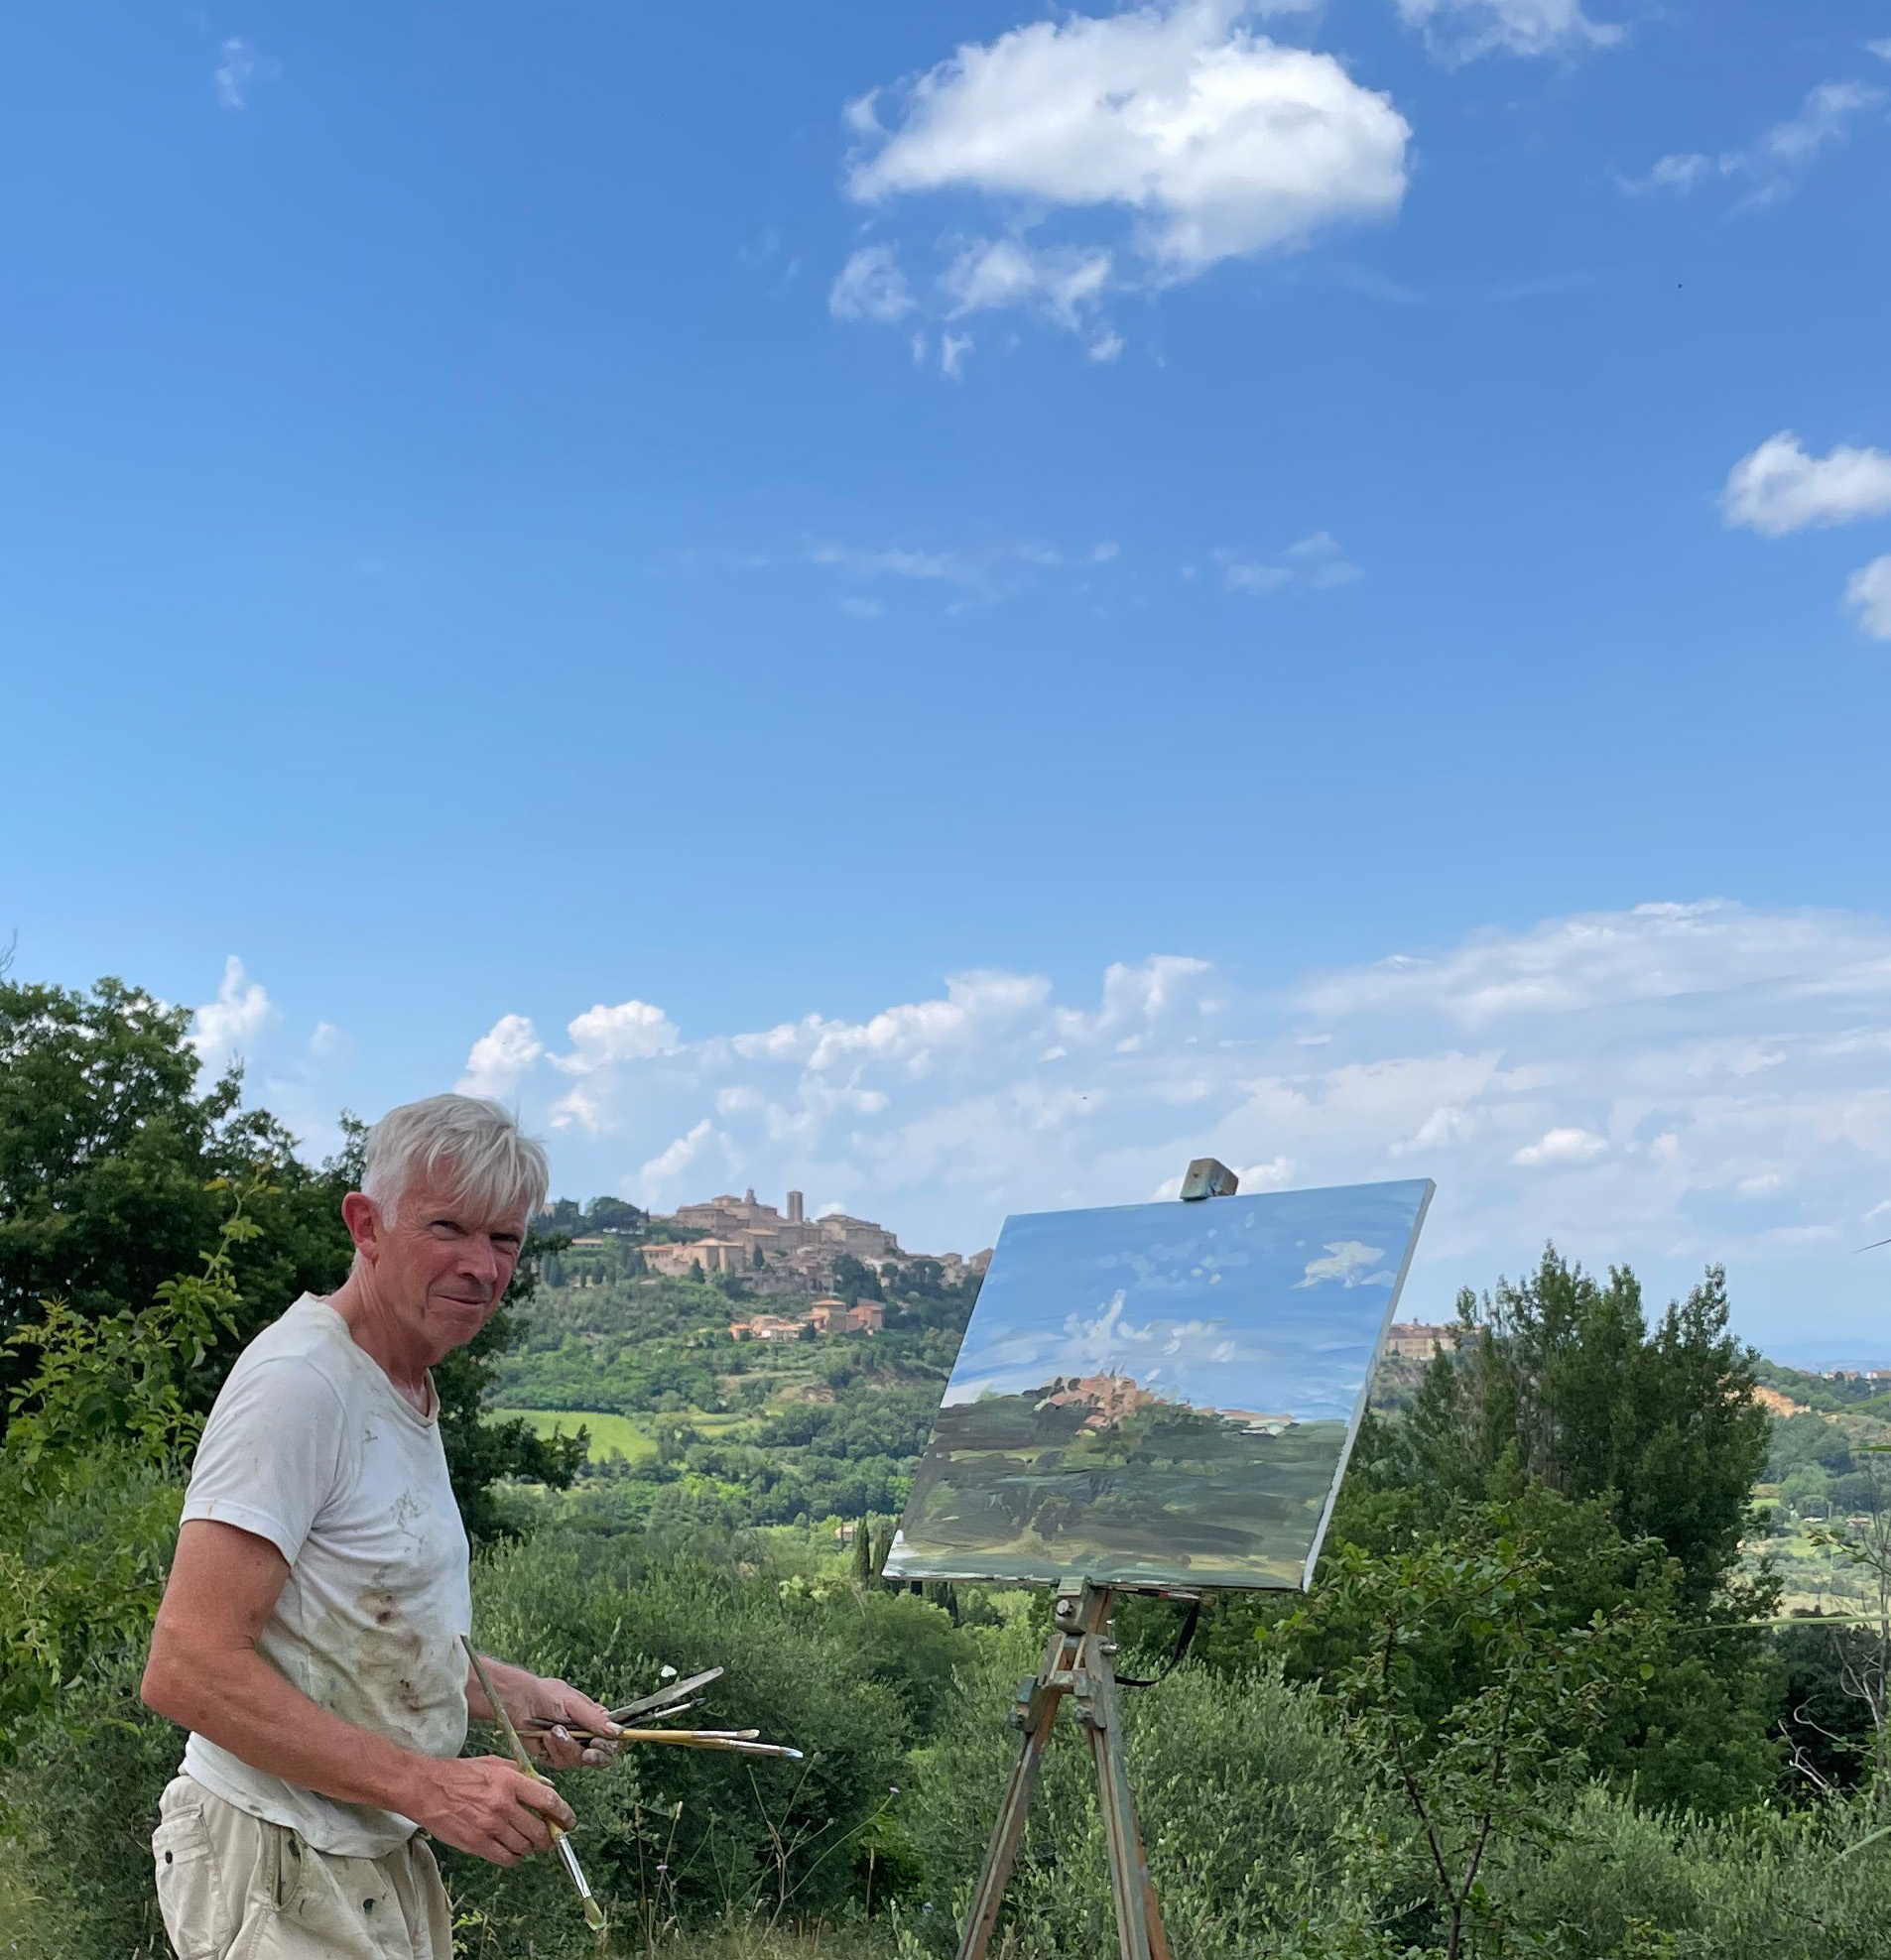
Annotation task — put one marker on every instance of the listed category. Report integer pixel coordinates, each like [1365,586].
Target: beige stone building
[673,1259]
[834,1316]
[1416,1340]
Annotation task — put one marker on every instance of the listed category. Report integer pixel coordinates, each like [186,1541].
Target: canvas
[1161,1396]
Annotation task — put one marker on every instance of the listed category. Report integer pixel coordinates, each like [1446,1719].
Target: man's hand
[545,1712]
[488,1806]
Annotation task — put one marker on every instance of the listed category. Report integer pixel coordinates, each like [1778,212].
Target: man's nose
[479,1259]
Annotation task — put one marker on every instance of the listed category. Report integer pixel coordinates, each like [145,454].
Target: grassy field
[627,1436]
[611,1435]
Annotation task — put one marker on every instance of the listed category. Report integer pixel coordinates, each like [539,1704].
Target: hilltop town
[780,1253]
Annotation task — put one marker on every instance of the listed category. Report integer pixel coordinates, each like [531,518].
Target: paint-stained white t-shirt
[311,1446]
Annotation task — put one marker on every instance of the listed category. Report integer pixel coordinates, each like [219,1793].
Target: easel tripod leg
[1139,1933]
[1002,1851]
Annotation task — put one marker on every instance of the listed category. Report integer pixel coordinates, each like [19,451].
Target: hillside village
[772,1253]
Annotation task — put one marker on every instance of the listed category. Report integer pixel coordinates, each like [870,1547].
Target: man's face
[442,1263]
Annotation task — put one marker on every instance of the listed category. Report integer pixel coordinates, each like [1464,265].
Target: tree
[109,1155]
[1468,1693]
[90,1471]
[1660,1426]
[115,1170]
[1864,1658]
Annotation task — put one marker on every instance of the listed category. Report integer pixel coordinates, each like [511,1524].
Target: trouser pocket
[199,1914]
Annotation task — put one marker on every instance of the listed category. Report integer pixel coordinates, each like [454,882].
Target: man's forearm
[238,1701]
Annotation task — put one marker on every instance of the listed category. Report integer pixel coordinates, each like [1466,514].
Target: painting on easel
[1161,1396]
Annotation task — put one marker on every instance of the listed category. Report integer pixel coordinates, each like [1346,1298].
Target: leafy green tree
[91,1468]
[1660,1425]
[1469,1694]
[114,1175]
[110,1159]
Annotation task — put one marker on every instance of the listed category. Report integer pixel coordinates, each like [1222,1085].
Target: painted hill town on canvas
[1231,1346]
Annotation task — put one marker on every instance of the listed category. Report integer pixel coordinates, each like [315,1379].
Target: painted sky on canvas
[1271,1303]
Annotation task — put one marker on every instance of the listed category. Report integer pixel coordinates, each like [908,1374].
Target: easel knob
[1209,1177]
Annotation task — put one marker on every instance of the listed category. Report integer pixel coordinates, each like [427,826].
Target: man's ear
[362,1217]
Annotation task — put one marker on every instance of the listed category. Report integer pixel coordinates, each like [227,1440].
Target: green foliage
[1469,1692]
[1564,1371]
[776,1837]
[111,1163]
[90,1472]
[1249,1803]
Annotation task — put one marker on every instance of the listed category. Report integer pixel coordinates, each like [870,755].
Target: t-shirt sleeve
[270,1453]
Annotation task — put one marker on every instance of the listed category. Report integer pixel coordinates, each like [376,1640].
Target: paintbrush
[539,1725]
[674,1691]
[741,1741]
[593,1912]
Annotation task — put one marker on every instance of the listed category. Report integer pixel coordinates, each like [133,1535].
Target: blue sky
[949,605]
[1269,1302]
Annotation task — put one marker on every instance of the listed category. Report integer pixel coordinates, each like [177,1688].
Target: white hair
[495,1166]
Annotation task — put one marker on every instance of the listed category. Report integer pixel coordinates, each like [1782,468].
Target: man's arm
[205,1673]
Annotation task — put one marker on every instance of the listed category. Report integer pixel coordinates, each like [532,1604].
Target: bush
[754,1835]
[1251,1816]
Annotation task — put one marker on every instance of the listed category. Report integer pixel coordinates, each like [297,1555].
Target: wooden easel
[1079,1662]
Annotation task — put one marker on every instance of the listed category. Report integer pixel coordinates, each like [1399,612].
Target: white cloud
[857,608]
[871,287]
[1823,118]
[1778,488]
[1350,1263]
[227,1029]
[1315,563]
[501,1057]
[1630,1083]
[1463,28]
[1770,163]
[1273,1175]
[633,1030]
[1210,140]
[1063,283]
[240,68]
[660,1175]
[952,349]
[1563,1145]
[898,564]
[1868,598]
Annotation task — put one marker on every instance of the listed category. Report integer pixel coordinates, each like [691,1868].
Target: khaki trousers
[233,1888]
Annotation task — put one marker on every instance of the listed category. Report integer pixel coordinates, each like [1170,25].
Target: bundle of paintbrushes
[668,1702]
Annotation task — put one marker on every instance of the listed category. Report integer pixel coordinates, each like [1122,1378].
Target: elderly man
[309,1637]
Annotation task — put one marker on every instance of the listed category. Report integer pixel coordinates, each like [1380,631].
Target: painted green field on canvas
[1166,1496]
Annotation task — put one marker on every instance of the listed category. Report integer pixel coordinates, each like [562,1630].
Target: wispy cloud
[1460,30]
[240,66]
[1316,563]
[1770,166]
[984,575]
[871,287]
[1868,598]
